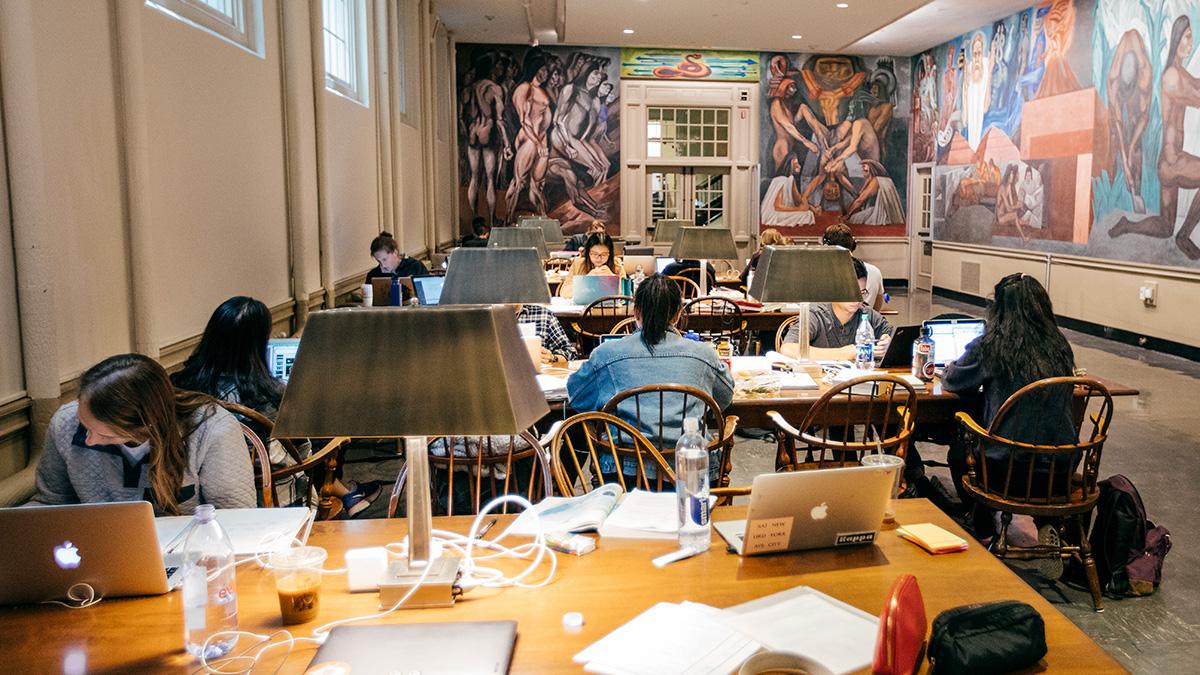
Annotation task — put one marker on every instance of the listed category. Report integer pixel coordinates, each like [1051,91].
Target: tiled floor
[1152,442]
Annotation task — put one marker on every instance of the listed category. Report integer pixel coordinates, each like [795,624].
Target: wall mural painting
[834,143]
[539,132]
[1071,127]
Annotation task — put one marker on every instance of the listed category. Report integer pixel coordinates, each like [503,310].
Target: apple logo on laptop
[66,556]
[819,511]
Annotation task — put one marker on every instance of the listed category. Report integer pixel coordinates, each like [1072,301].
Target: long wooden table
[609,587]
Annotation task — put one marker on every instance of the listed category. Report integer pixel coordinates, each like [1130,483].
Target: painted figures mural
[834,143]
[1071,127]
[539,132]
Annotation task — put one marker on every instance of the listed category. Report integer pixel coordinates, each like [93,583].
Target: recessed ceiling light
[797,37]
[842,5]
[628,31]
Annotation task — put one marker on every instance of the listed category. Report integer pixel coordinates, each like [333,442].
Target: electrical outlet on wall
[1148,293]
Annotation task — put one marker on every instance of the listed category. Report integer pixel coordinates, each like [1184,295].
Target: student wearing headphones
[132,436]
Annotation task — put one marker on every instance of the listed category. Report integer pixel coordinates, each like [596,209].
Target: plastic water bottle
[691,487]
[922,356]
[638,277]
[864,343]
[209,588]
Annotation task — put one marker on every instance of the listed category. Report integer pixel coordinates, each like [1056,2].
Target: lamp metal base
[439,588]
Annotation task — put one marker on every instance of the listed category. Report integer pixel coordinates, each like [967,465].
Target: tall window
[238,21]
[687,132]
[345,48]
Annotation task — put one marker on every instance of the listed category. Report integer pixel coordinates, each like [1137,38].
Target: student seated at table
[557,348]
[481,231]
[1020,345]
[839,234]
[132,436]
[392,262]
[598,257]
[832,326]
[769,237]
[230,364]
[576,241]
[654,354]
[690,269]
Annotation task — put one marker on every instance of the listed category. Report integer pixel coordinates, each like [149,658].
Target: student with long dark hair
[598,256]
[392,262]
[132,436]
[1021,345]
[230,364]
[654,354]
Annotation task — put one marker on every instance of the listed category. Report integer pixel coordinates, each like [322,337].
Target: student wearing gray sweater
[131,436]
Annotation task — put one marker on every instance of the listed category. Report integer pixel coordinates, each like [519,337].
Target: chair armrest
[971,425]
[317,457]
[731,422]
[783,424]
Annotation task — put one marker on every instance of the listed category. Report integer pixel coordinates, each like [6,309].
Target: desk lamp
[704,243]
[484,276]
[519,237]
[805,274]
[665,230]
[551,230]
[356,375]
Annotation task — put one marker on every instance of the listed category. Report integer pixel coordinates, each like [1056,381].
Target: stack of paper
[695,638]
[669,638]
[644,515]
[250,530]
[553,386]
[932,538]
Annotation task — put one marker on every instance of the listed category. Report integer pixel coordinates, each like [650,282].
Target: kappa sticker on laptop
[854,538]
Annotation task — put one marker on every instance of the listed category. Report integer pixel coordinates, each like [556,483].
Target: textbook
[637,515]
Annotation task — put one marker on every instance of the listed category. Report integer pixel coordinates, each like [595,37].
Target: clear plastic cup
[298,582]
[885,461]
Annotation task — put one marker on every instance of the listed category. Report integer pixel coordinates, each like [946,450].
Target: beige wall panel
[889,255]
[1109,297]
[217,198]
[951,267]
[352,190]
[12,376]
[76,85]
[412,201]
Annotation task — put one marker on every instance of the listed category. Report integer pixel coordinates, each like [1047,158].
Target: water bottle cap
[926,331]
[691,425]
[205,513]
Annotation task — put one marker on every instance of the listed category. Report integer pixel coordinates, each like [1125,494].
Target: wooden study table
[609,586]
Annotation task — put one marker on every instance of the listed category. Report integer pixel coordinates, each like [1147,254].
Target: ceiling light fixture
[797,37]
[628,31]
[842,5]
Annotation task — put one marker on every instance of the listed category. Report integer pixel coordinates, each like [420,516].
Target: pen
[484,530]
[681,554]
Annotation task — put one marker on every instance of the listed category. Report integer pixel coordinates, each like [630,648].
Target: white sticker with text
[769,534]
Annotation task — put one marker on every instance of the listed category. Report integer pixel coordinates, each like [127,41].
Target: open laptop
[899,351]
[811,509]
[661,263]
[588,289]
[281,352]
[429,289]
[52,548]
[951,337]
[417,648]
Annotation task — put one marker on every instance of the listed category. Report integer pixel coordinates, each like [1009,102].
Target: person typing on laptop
[230,364]
[598,257]
[832,326]
[132,436]
[557,348]
[392,263]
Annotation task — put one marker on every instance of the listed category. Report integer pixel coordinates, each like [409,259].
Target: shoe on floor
[360,497]
[1051,568]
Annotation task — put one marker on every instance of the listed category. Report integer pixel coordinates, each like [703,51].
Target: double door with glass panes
[697,194]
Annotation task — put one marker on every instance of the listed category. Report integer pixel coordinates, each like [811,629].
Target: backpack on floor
[1129,549]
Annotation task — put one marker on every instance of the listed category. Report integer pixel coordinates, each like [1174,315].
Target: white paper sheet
[251,530]
[803,620]
[669,638]
[644,515]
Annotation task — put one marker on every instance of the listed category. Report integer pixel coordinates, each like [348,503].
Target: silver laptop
[951,337]
[112,547]
[417,648]
[811,509]
[281,353]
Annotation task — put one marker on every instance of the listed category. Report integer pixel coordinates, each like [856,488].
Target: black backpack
[1129,549]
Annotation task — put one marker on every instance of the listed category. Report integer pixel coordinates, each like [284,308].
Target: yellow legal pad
[932,538]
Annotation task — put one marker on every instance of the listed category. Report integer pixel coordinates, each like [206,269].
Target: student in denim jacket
[655,354]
